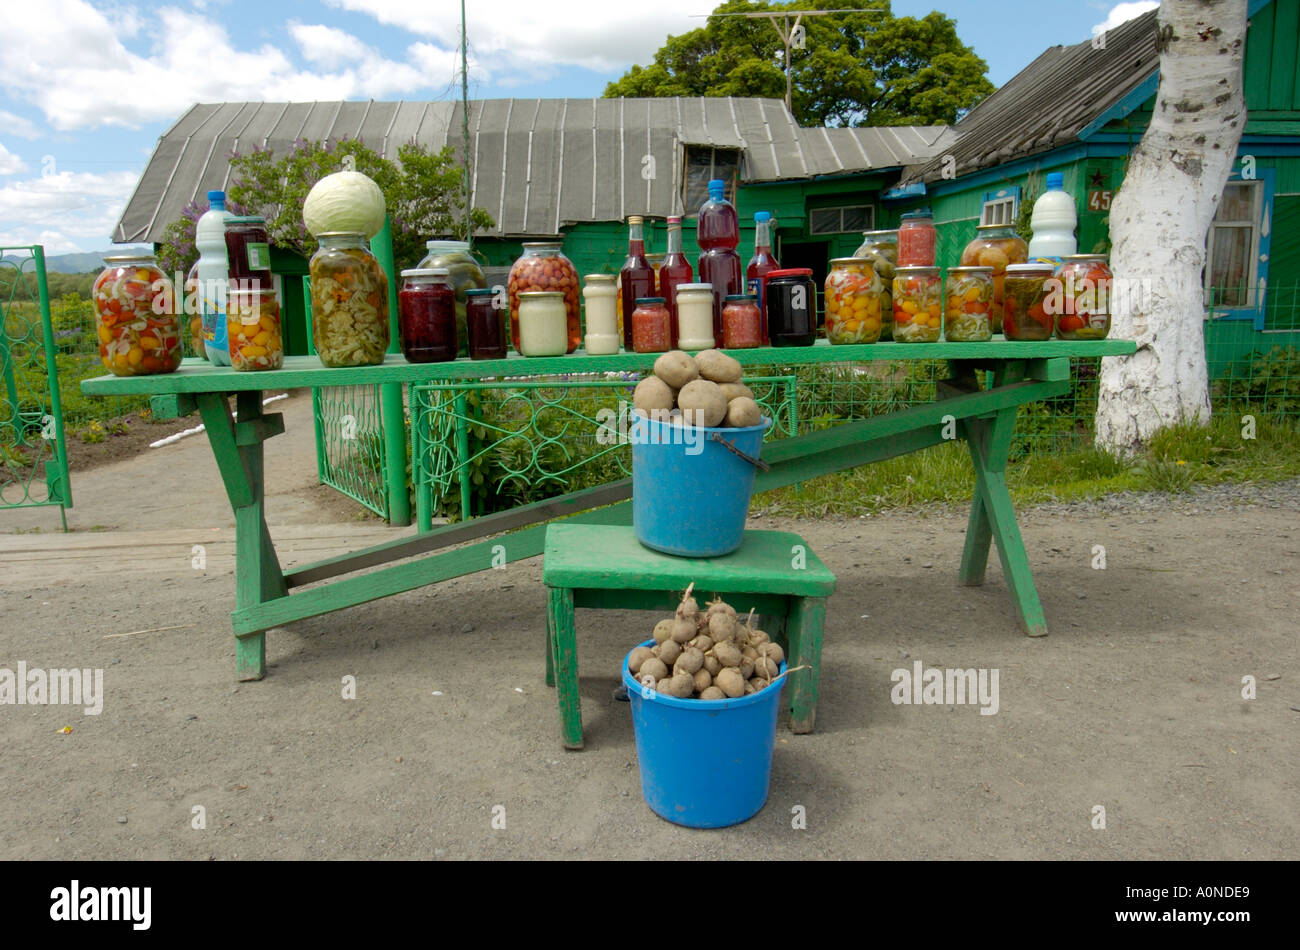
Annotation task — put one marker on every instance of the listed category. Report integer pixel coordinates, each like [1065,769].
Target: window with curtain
[1232,247]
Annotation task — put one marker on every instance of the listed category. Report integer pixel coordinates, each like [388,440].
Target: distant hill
[91,260]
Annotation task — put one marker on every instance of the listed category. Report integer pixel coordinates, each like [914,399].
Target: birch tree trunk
[1160,219]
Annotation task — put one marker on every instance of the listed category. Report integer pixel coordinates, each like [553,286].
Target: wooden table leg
[564,646]
[804,625]
[237,448]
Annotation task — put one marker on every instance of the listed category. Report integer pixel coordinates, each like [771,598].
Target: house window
[1000,207]
[704,163]
[841,220]
[1232,247]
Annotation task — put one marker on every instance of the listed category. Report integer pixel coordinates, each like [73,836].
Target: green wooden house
[1081,110]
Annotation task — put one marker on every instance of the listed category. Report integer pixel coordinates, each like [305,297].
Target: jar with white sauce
[695,317]
[600,297]
[543,323]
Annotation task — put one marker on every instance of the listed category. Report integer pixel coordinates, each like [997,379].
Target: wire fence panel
[350,440]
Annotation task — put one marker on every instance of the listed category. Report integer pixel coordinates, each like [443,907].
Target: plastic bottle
[1053,222]
[762,262]
[213,273]
[717,231]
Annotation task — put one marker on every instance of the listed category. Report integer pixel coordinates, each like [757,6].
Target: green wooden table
[268,596]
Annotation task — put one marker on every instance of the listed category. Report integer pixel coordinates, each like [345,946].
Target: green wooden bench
[605,567]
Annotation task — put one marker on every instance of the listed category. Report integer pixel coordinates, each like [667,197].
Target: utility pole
[464,113]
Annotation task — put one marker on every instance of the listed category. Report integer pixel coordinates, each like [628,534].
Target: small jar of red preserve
[742,324]
[485,323]
[916,239]
[427,307]
[651,326]
[248,253]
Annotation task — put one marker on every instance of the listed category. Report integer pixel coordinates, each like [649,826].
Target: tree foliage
[423,191]
[860,68]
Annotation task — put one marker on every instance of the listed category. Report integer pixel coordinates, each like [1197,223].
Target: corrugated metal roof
[1049,102]
[536,164]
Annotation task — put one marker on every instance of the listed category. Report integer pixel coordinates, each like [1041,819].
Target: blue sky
[87,86]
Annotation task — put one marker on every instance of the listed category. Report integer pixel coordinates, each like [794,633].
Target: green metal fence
[33,456]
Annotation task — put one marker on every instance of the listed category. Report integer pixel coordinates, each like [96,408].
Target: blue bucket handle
[758,463]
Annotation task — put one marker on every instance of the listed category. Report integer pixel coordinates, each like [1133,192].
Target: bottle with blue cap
[213,275]
[1053,222]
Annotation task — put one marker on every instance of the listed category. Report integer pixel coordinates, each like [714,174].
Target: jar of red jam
[426,305]
[485,324]
[742,324]
[248,253]
[916,238]
[651,326]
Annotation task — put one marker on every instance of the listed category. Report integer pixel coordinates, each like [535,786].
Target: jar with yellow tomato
[968,302]
[853,293]
[135,317]
[996,246]
[253,330]
[918,308]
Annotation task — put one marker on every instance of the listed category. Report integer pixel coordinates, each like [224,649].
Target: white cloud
[10,164]
[63,209]
[1121,13]
[12,124]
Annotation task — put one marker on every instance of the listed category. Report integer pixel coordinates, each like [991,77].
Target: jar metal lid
[1031,268]
[699,287]
[1085,257]
[995,227]
[918,213]
[877,234]
[847,261]
[601,278]
[440,245]
[480,292]
[789,272]
[641,300]
[539,294]
[742,298]
[634,219]
[971,269]
[554,244]
[917,270]
[426,272]
[244,219]
[332,234]
[112,260]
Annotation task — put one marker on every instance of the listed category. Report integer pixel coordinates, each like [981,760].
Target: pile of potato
[706,388]
[706,654]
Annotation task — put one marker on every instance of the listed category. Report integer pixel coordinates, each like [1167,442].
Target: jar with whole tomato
[253,330]
[996,246]
[135,317]
[1080,298]
[916,239]
[852,301]
[881,247]
[1024,316]
[543,268]
[968,301]
[918,310]
[193,310]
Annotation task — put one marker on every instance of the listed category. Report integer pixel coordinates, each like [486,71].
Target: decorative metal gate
[33,457]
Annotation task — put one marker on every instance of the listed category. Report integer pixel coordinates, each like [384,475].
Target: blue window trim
[1265,226]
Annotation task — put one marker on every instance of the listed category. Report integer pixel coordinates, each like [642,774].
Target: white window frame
[1256,187]
[1000,211]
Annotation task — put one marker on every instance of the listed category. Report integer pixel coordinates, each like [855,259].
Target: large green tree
[866,67]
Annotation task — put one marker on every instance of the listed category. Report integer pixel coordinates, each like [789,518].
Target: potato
[721,607]
[669,651]
[712,664]
[746,667]
[688,609]
[732,390]
[722,627]
[766,668]
[702,403]
[702,680]
[690,661]
[743,411]
[637,657]
[772,651]
[681,685]
[683,630]
[653,667]
[727,653]
[750,688]
[758,636]
[712,693]
[731,682]
[748,652]
[704,643]
[718,366]
[653,397]
[676,368]
[758,683]
[664,630]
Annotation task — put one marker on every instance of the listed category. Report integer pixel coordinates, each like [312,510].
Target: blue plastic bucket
[704,763]
[690,493]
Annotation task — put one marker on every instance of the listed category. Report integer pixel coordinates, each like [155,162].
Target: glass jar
[791,307]
[996,246]
[253,330]
[916,239]
[852,301]
[968,304]
[543,323]
[485,324]
[652,329]
[1080,297]
[742,323]
[135,317]
[426,309]
[694,317]
[248,253]
[600,295]
[349,302]
[193,309]
[464,274]
[881,247]
[541,268]
[1024,292]
[918,313]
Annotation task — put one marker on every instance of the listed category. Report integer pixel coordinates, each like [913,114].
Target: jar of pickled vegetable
[968,305]
[543,323]
[248,252]
[349,302]
[485,324]
[463,274]
[1080,298]
[253,329]
[852,301]
[881,248]
[918,311]
[916,239]
[742,324]
[996,246]
[426,307]
[193,310]
[652,326]
[544,268]
[135,317]
[1024,314]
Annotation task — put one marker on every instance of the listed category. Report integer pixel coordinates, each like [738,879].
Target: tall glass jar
[349,302]
[968,302]
[253,330]
[916,239]
[996,246]
[600,294]
[852,301]
[918,312]
[881,247]
[694,314]
[135,317]
[1080,297]
[426,307]
[485,321]
[543,268]
[543,323]
[463,274]
[248,252]
[1024,314]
